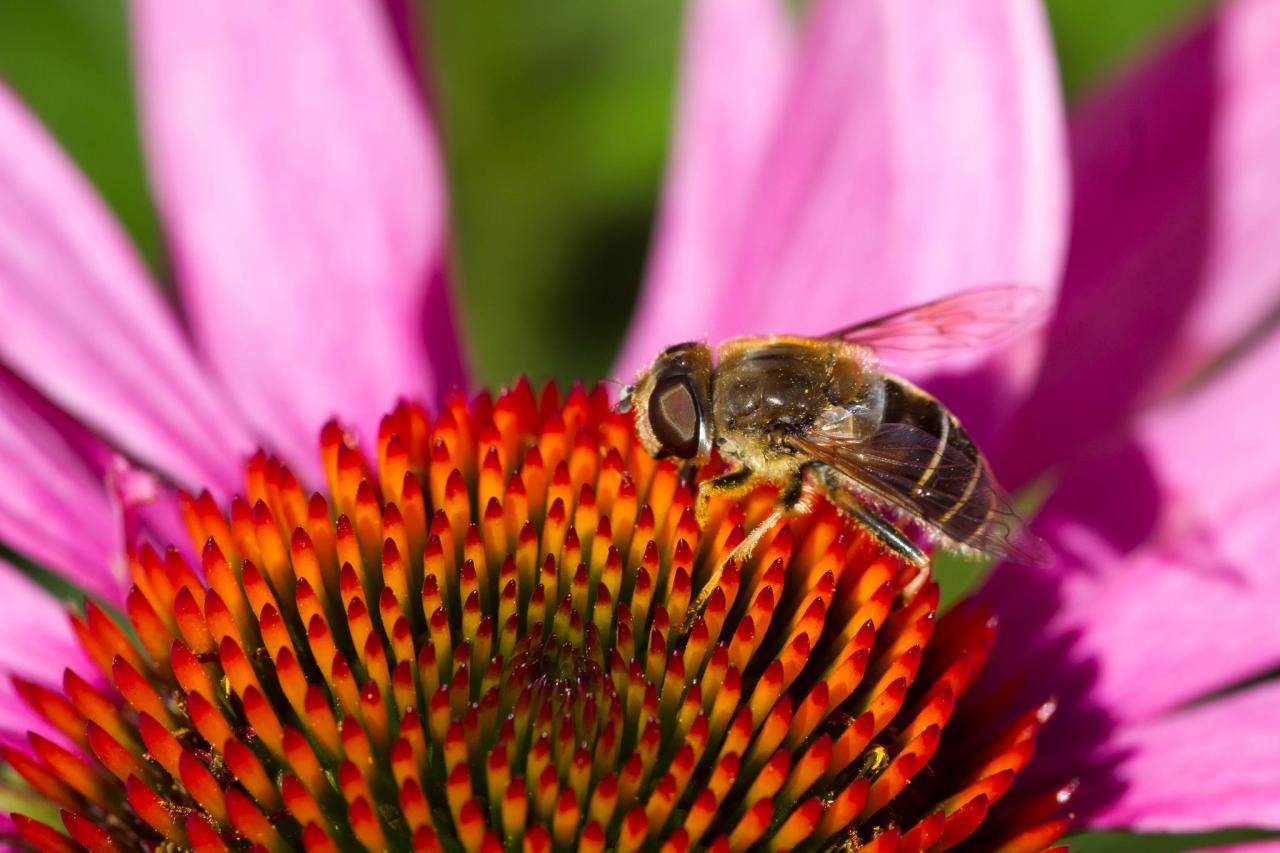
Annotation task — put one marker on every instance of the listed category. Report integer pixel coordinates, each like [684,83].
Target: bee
[818,415]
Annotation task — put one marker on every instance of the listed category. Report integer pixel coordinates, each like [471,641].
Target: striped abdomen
[955,489]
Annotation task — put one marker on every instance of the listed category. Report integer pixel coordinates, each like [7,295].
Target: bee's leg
[797,496]
[731,485]
[883,531]
[795,499]
[688,474]
[737,556]
[889,536]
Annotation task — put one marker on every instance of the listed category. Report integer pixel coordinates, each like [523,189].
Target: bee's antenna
[624,392]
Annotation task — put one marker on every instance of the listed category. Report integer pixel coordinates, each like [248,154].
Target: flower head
[475,639]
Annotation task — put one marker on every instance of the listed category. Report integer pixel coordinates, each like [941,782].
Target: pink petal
[1165,588]
[300,182]
[737,54]
[1148,631]
[918,153]
[36,643]
[1213,766]
[144,511]
[69,502]
[80,320]
[53,507]
[1173,256]
[1257,847]
[1166,585]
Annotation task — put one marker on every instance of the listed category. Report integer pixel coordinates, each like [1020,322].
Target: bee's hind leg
[883,531]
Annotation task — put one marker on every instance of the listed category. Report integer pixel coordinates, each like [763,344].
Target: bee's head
[672,399]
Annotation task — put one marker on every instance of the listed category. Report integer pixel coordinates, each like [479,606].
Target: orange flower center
[476,642]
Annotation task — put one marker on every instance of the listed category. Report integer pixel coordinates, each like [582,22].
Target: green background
[555,116]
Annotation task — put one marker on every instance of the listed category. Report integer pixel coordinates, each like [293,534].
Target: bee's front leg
[796,497]
[732,485]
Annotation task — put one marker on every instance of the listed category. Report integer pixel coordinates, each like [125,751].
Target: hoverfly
[818,416]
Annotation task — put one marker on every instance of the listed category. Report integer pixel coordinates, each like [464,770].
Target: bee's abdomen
[953,475]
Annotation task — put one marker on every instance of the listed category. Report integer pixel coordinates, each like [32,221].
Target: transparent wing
[960,499]
[970,320]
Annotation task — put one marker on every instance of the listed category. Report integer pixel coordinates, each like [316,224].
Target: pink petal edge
[911,156]
[735,62]
[80,320]
[298,177]
[916,155]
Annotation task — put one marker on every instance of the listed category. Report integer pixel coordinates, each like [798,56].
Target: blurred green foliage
[555,117]
[1119,842]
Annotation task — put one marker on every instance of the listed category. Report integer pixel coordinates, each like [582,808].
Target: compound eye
[676,417]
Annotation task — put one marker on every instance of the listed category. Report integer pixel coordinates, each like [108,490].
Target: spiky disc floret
[476,643]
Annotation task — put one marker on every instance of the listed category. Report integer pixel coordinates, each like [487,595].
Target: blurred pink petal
[80,320]
[1216,765]
[38,645]
[1257,847]
[8,829]
[1165,591]
[53,507]
[144,510]
[1173,256]
[918,153]
[1169,583]
[71,503]
[736,58]
[299,180]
